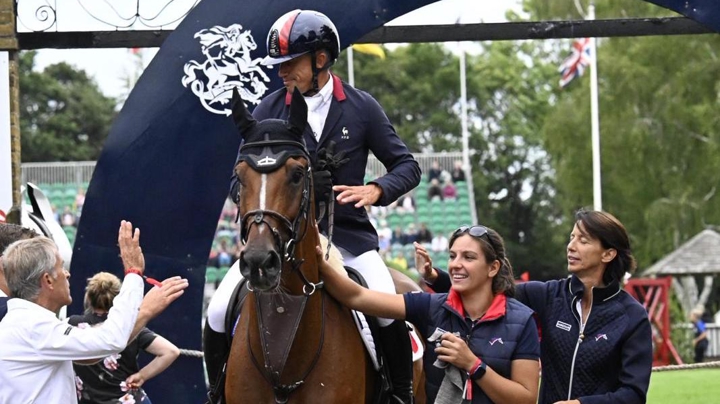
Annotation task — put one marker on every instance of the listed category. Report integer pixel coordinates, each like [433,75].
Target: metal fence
[69,172]
[80,172]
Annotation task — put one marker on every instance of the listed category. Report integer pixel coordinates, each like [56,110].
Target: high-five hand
[130,250]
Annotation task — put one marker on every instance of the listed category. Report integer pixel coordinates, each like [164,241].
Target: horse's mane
[336,259]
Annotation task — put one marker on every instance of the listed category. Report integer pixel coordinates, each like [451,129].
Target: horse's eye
[296,176]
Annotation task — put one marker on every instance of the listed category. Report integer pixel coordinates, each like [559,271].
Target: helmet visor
[270,61]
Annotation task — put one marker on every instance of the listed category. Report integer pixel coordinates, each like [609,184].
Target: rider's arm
[403,171]
[356,297]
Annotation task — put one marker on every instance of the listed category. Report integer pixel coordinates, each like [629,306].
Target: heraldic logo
[228,65]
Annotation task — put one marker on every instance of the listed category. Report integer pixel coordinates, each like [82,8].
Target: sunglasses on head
[476,231]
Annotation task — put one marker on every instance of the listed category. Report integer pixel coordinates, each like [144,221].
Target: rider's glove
[327,159]
[322,183]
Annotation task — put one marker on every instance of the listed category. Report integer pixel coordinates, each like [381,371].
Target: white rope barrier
[703,365]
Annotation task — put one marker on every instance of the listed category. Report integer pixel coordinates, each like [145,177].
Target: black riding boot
[216,350]
[398,354]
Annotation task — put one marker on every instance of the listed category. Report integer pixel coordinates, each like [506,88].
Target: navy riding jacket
[505,333]
[610,362]
[357,124]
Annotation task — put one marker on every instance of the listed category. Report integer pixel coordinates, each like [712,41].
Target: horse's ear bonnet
[263,154]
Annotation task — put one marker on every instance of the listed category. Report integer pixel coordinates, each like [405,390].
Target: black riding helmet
[299,32]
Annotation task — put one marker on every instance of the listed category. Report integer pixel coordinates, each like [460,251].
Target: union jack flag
[575,64]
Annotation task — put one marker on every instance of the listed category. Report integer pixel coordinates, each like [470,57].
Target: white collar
[323,96]
[2,294]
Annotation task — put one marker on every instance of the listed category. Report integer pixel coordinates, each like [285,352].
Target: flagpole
[595,117]
[351,67]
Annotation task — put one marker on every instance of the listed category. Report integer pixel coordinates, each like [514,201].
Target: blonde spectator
[117,378]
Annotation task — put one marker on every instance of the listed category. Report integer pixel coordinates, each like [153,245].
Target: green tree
[660,132]
[63,114]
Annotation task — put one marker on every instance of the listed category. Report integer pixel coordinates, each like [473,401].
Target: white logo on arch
[228,65]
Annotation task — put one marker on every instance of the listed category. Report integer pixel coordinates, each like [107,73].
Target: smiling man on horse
[306,44]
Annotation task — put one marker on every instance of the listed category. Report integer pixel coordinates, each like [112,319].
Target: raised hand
[130,251]
[159,298]
[423,263]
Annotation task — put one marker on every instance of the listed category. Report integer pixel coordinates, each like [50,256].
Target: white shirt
[318,108]
[2,294]
[37,349]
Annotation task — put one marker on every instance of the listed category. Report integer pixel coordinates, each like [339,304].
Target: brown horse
[293,342]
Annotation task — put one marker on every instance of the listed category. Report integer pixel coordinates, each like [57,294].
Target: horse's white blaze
[263,192]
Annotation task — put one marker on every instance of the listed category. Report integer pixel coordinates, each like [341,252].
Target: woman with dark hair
[488,338]
[117,378]
[596,339]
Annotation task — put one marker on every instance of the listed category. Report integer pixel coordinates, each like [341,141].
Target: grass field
[699,386]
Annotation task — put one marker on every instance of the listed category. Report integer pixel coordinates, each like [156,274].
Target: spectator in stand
[411,234]
[424,235]
[438,243]
[79,199]
[406,203]
[118,378]
[449,190]
[383,243]
[435,172]
[68,218]
[400,261]
[398,237]
[434,190]
[700,342]
[224,257]
[384,230]
[458,174]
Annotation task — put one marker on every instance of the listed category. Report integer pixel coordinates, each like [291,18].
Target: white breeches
[369,264]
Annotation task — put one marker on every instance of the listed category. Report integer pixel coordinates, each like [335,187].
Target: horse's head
[275,191]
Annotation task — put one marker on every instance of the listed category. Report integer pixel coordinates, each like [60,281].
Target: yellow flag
[370,49]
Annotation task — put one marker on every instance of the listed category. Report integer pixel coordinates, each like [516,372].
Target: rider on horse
[306,44]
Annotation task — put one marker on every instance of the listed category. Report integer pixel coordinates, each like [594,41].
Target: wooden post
[9,43]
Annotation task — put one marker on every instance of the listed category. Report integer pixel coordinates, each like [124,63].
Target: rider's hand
[363,195]
[130,251]
[423,263]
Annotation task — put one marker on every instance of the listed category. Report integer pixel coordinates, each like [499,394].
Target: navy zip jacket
[357,124]
[505,333]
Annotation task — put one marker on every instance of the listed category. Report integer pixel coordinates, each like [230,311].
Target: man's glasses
[476,231]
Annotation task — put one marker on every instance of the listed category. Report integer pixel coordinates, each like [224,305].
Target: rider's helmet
[299,32]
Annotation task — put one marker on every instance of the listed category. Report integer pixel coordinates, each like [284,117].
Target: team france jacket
[357,124]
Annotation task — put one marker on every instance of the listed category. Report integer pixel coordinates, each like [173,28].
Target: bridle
[274,364]
[257,217]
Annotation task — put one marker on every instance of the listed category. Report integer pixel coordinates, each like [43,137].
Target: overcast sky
[111,67]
